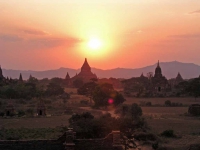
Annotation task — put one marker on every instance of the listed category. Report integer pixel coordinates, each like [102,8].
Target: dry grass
[161,101]
[71,90]
[165,110]
[186,127]
[38,122]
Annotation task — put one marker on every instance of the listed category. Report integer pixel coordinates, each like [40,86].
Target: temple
[158,71]
[85,73]
[67,80]
[175,81]
[159,81]
[179,78]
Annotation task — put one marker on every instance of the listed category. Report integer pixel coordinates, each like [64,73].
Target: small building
[68,80]
[175,81]
[41,109]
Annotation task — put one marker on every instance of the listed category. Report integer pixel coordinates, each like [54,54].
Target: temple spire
[142,75]
[85,66]
[20,77]
[67,76]
[158,71]
[179,77]
[1,74]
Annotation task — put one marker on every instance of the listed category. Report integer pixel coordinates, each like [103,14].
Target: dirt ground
[158,117]
[36,122]
[185,127]
[160,101]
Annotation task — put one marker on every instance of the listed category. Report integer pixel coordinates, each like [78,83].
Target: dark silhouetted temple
[85,73]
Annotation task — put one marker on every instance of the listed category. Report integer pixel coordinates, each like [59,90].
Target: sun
[94,43]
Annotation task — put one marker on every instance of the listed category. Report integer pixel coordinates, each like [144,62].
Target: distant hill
[169,69]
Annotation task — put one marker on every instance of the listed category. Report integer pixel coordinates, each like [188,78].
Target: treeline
[190,87]
[142,87]
[32,88]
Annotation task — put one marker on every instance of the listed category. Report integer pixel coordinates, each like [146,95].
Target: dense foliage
[87,88]
[133,111]
[193,87]
[103,95]
[87,126]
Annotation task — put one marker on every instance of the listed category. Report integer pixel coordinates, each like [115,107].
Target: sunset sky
[47,34]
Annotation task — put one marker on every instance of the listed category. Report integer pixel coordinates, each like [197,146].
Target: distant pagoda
[67,79]
[67,76]
[178,78]
[20,78]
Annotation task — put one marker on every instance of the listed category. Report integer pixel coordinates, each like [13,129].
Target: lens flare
[110,101]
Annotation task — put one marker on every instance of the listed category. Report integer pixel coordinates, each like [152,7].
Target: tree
[10,93]
[87,126]
[136,84]
[94,79]
[87,88]
[57,80]
[54,89]
[32,80]
[118,99]
[168,103]
[123,110]
[21,113]
[194,87]
[78,83]
[104,94]
[136,111]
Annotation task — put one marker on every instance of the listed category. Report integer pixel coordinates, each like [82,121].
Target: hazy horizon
[100,68]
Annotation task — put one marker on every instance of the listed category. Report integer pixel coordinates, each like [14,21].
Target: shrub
[50,107]
[168,133]
[21,113]
[142,103]
[47,101]
[85,102]
[2,114]
[145,136]
[136,110]
[30,112]
[20,101]
[194,109]
[168,103]
[148,104]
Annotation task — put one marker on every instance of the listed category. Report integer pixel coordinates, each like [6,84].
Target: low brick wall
[32,145]
[79,144]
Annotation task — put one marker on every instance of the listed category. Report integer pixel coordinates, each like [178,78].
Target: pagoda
[85,73]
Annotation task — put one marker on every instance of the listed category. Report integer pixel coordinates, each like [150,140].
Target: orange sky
[43,34]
